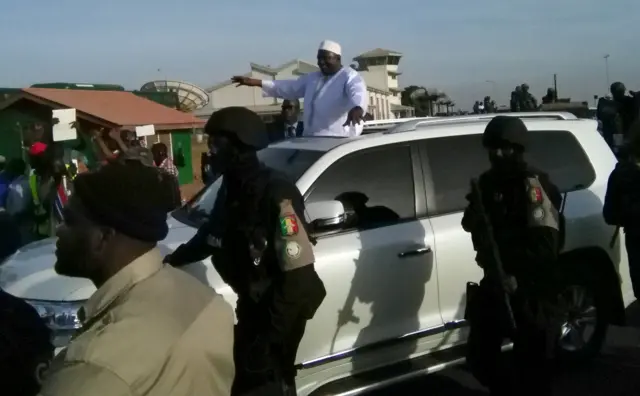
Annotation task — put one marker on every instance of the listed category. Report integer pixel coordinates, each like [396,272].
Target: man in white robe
[335,98]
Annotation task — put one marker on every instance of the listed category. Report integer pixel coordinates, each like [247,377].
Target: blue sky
[453,45]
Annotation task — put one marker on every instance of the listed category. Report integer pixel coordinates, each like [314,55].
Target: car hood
[29,272]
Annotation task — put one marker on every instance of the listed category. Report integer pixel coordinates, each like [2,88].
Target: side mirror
[325,214]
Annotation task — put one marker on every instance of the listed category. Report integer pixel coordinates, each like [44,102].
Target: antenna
[190,96]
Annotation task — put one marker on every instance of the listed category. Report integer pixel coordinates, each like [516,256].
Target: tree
[416,97]
[435,97]
[421,99]
[448,104]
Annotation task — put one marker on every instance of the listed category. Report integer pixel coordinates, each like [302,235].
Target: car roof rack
[413,125]
[392,121]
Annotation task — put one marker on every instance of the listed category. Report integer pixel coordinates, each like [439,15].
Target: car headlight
[60,317]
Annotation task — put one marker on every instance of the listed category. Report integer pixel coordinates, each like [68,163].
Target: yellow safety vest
[40,215]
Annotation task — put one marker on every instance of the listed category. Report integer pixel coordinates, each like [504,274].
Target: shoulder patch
[536,195]
[288,225]
[293,250]
[538,214]
[288,220]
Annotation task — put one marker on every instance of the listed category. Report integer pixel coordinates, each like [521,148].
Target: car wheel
[582,330]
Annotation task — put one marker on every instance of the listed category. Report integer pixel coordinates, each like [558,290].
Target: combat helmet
[240,123]
[505,129]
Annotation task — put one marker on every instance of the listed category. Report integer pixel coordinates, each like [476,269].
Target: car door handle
[416,252]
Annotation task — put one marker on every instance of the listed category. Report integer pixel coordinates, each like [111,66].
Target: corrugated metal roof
[124,109]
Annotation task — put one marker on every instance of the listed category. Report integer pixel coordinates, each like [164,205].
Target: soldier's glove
[510,284]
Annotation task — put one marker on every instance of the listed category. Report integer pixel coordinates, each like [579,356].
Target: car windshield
[292,162]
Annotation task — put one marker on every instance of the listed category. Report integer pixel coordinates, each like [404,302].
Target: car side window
[559,154]
[454,160]
[376,186]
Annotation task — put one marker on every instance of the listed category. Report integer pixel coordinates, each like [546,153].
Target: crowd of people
[521,100]
[152,329]
[34,192]
[487,105]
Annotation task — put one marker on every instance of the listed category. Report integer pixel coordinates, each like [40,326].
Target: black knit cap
[505,129]
[241,123]
[130,198]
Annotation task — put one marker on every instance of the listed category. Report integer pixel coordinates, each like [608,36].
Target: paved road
[615,373]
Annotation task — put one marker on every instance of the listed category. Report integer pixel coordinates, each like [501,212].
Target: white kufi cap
[331,46]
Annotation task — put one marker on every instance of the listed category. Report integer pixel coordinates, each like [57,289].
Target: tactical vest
[255,275]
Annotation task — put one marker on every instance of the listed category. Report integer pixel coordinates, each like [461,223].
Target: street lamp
[606,68]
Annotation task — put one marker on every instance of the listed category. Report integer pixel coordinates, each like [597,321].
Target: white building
[384,96]
[379,68]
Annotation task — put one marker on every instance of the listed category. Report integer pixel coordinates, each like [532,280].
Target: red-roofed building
[96,109]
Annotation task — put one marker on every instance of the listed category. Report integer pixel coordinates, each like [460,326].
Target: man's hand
[355,116]
[96,132]
[54,121]
[246,81]
[114,133]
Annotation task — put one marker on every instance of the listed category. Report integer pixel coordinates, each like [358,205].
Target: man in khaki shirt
[149,329]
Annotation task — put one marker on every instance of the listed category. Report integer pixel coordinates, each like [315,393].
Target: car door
[449,164]
[378,268]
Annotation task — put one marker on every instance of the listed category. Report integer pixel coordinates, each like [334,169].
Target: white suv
[395,261]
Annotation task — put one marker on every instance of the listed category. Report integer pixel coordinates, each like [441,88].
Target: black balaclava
[505,138]
[232,158]
[244,183]
[507,159]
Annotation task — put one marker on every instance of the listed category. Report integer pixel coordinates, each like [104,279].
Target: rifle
[345,315]
[492,246]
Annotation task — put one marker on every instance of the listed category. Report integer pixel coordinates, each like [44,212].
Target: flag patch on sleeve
[536,195]
[288,225]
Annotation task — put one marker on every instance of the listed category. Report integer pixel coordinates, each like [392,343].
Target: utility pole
[555,86]
[606,68]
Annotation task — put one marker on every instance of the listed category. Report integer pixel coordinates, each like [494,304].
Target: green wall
[181,141]
[10,133]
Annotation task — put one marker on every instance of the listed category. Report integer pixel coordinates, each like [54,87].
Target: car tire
[583,329]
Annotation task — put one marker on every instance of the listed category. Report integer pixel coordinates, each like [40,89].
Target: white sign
[145,130]
[64,129]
